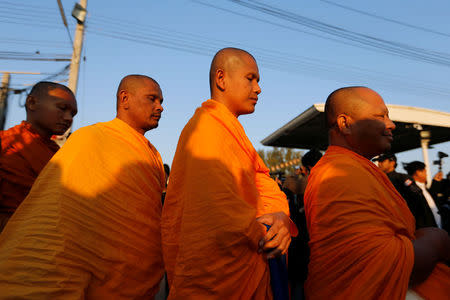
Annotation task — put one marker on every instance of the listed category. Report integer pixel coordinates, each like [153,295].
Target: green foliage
[281,159]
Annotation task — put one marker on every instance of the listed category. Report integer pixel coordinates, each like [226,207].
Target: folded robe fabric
[218,186]
[90,227]
[24,153]
[361,234]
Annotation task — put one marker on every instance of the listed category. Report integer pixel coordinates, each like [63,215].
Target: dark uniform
[416,201]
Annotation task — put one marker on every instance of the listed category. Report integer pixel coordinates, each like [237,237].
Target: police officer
[409,190]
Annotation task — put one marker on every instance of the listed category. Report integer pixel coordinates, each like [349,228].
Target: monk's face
[145,105]
[53,112]
[242,88]
[371,128]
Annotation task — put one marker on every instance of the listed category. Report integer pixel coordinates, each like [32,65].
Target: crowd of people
[100,218]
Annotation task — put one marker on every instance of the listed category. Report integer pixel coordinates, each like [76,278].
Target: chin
[59,132]
[247,111]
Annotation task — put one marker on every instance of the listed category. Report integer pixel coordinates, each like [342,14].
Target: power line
[400,49]
[276,60]
[63,16]
[39,43]
[387,19]
[13,55]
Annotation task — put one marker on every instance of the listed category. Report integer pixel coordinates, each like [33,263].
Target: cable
[387,19]
[392,47]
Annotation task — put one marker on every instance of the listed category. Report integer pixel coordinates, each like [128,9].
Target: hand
[277,239]
[439,176]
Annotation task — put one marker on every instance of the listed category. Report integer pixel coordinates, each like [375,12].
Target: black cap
[413,166]
[384,156]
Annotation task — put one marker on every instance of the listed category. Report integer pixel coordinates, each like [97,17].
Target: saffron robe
[90,227]
[361,234]
[24,153]
[218,187]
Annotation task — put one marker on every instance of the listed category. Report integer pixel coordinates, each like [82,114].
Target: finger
[265,219]
[285,245]
[276,252]
[277,239]
[274,243]
[281,249]
[273,231]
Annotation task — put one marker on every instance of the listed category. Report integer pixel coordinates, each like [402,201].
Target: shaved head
[43,88]
[347,100]
[234,80]
[139,102]
[228,60]
[50,108]
[131,83]
[358,119]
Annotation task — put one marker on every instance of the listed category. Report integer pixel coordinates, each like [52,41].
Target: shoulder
[86,132]
[16,139]
[204,132]
[341,174]
[9,135]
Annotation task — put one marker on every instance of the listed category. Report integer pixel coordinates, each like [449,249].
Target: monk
[90,226]
[220,194]
[363,240]
[26,148]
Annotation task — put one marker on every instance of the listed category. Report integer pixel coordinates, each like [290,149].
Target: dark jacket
[415,199]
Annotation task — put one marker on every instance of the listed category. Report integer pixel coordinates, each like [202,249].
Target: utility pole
[4,98]
[79,12]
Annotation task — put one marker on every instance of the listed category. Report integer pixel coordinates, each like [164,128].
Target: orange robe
[217,188]
[24,153]
[361,234]
[90,227]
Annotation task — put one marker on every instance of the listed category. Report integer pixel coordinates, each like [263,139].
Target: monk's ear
[124,99]
[220,79]
[31,103]
[343,123]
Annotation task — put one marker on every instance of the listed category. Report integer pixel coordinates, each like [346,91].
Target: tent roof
[308,130]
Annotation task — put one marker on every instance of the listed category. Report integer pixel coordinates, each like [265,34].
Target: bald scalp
[346,100]
[130,83]
[43,88]
[226,59]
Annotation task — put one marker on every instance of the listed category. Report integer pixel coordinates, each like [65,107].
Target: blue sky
[174,42]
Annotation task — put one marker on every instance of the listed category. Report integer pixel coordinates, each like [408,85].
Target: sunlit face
[242,87]
[386,165]
[371,128]
[145,105]
[421,175]
[54,112]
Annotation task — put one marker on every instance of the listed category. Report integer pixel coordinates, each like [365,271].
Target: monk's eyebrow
[253,75]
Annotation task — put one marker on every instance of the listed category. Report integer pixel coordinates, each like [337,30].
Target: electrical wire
[273,59]
[392,47]
[424,29]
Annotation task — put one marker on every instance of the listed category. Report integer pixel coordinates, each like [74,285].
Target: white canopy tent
[415,128]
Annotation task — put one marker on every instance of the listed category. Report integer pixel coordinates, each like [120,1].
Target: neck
[417,179]
[41,131]
[338,140]
[222,99]
[130,123]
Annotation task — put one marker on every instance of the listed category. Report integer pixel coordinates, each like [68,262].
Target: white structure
[416,127]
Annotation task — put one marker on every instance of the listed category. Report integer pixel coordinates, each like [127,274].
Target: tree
[281,159]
